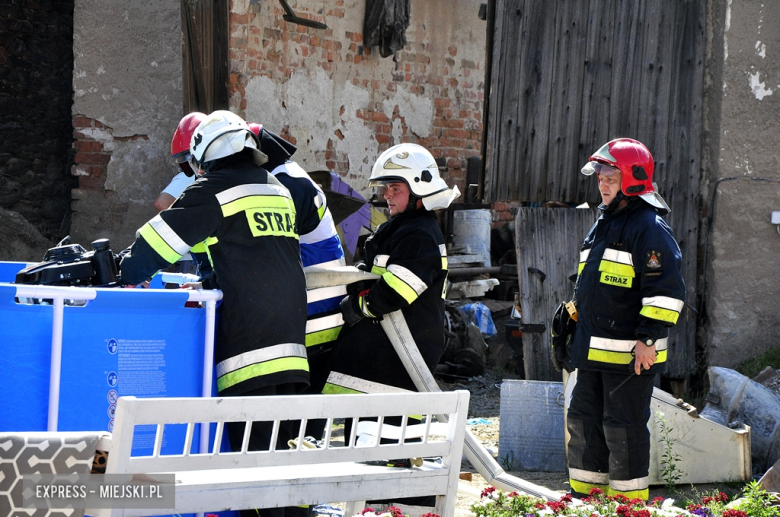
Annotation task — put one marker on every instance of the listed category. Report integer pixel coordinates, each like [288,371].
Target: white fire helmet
[415,166]
[221,134]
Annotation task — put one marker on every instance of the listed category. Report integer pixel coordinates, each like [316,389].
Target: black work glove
[357,288]
[350,309]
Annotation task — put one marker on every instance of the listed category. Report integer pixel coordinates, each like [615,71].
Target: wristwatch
[647,341]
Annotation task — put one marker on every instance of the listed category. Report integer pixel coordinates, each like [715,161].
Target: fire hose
[397,330]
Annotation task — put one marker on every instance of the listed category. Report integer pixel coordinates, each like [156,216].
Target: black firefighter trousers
[609,442]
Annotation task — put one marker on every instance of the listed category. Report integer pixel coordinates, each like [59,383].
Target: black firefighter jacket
[408,251]
[257,265]
[629,285]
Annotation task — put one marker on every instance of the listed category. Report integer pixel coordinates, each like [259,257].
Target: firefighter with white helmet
[629,291]
[409,253]
[250,217]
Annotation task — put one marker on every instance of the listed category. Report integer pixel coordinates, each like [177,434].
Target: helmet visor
[601,169]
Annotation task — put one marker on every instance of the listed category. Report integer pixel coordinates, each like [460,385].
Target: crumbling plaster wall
[742,246]
[341,103]
[127,83]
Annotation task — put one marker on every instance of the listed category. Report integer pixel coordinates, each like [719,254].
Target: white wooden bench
[218,481]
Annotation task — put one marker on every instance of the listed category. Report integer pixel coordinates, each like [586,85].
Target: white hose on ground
[397,330]
[400,336]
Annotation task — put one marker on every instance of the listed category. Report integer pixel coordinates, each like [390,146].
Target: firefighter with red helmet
[629,291]
[180,151]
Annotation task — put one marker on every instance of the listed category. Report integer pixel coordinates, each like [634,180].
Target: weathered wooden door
[569,75]
[205,55]
[548,245]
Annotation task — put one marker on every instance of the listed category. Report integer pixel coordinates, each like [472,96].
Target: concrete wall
[127,82]
[342,103]
[741,165]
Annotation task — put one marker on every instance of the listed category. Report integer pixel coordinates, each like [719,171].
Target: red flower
[657,501]
[707,500]
[691,507]
[396,512]
[487,491]
[596,491]
[429,514]
[623,510]
[734,513]
[722,498]
[566,498]
[540,506]
[514,494]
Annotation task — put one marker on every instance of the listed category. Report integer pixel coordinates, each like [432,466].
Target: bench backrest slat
[132,412]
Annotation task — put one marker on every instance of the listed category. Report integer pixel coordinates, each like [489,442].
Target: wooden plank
[499,167]
[547,240]
[625,77]
[683,174]
[597,81]
[492,152]
[538,64]
[562,181]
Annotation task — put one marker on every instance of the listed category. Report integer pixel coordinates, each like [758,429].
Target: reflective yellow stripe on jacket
[263,361]
[583,258]
[163,239]
[617,268]
[662,308]
[618,351]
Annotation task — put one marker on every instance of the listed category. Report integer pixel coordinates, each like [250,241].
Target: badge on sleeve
[653,259]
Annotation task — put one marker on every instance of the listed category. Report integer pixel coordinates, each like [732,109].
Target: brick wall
[36,65]
[441,67]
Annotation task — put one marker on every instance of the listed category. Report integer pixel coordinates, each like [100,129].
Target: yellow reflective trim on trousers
[321,211]
[657,313]
[444,263]
[378,270]
[585,488]
[245,203]
[335,389]
[580,268]
[158,244]
[322,336]
[400,287]
[604,356]
[616,268]
[643,494]
[258,370]
[613,279]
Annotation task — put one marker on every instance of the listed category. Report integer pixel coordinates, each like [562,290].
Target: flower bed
[755,503]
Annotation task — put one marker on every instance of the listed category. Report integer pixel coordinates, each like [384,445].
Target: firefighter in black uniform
[410,255]
[629,292]
[250,218]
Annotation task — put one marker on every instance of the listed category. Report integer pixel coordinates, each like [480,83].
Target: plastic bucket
[471,230]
